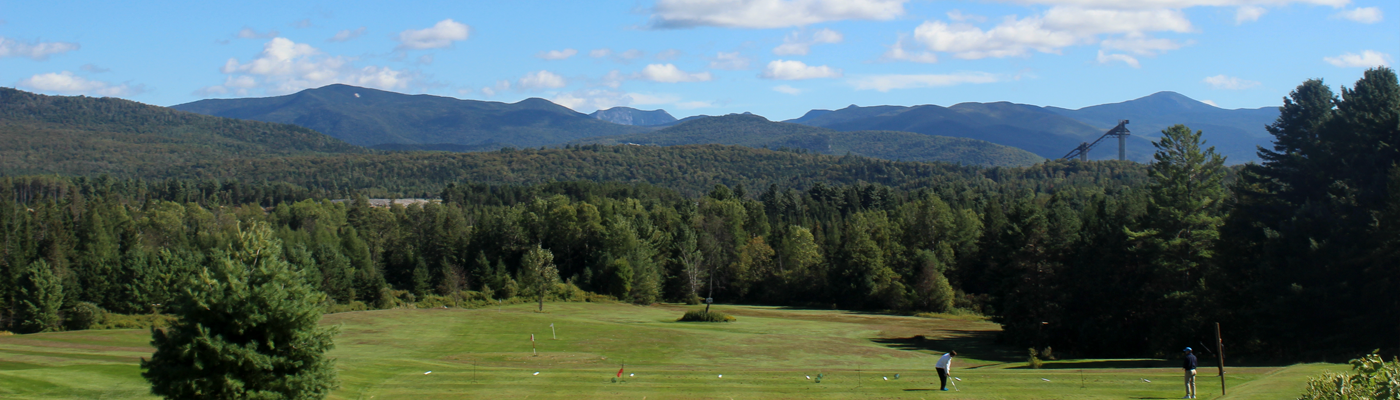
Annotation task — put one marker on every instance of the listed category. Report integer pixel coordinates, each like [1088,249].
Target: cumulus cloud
[958,16]
[67,83]
[440,35]
[763,14]
[623,57]
[249,33]
[302,24]
[668,73]
[94,68]
[1229,82]
[347,35]
[600,53]
[729,61]
[885,83]
[35,50]
[800,42]
[557,54]
[1365,15]
[1367,59]
[897,52]
[632,54]
[285,66]
[797,70]
[1056,29]
[1105,58]
[613,79]
[500,86]
[787,89]
[1248,14]
[1177,4]
[588,100]
[542,80]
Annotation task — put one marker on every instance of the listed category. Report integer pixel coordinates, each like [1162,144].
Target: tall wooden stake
[1220,357]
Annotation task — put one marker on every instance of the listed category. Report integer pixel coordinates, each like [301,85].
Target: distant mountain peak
[632,116]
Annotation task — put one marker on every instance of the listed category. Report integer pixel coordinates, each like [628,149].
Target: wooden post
[1220,357]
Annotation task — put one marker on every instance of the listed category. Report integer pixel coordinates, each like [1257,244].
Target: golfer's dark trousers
[943,378]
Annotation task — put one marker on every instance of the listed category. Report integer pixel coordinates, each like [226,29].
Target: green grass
[486,353]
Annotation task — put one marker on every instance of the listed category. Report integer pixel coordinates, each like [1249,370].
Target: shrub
[1033,361]
[354,305]
[1371,378]
[85,315]
[702,316]
[435,301]
[139,321]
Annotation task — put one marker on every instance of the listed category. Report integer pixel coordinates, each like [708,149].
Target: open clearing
[768,353]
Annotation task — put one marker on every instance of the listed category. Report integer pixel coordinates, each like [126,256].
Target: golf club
[955,385]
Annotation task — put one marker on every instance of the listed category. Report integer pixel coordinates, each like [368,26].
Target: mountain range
[369,117]
[394,121]
[756,131]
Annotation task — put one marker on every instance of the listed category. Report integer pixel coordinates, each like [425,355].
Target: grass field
[767,353]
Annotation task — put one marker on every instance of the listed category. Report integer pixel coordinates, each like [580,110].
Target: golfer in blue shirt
[1190,366]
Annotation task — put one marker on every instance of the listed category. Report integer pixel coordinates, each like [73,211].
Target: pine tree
[40,298]
[246,329]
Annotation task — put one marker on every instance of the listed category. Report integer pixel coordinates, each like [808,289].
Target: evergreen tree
[40,298]
[1179,232]
[246,329]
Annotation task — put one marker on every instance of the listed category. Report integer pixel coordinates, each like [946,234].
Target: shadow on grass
[1095,364]
[980,345]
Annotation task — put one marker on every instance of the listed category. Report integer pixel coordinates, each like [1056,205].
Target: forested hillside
[755,131]
[369,117]
[82,136]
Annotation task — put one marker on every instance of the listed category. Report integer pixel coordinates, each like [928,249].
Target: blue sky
[777,58]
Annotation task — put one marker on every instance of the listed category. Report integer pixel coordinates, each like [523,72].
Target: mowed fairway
[768,353]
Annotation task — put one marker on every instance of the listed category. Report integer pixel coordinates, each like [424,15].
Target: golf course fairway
[770,352]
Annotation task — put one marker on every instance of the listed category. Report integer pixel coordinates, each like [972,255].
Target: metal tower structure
[1120,131]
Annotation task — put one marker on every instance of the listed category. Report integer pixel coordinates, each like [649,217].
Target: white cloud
[613,79]
[1105,58]
[1141,45]
[303,23]
[35,50]
[285,66]
[589,100]
[632,54]
[347,34]
[557,54]
[600,53]
[438,36]
[500,86]
[800,42]
[1367,59]
[897,52]
[426,59]
[729,61]
[1177,4]
[668,54]
[67,83]
[958,16]
[1365,15]
[668,73]
[797,70]
[249,33]
[763,14]
[1057,28]
[1229,82]
[787,89]
[94,68]
[1248,14]
[1211,102]
[542,80]
[885,83]
[623,57]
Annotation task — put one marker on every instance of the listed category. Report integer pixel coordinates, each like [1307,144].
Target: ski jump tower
[1120,131]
